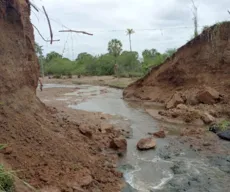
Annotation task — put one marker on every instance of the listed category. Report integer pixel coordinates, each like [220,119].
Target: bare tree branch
[34,6]
[228,11]
[51,33]
[83,32]
[42,36]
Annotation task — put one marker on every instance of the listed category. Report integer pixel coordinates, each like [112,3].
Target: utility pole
[195,18]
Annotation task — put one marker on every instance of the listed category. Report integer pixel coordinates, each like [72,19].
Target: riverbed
[172,166]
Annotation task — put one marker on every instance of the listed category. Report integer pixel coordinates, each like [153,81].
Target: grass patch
[6,180]
[224,125]
[3,146]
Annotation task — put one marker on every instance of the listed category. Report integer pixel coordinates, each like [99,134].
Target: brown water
[150,171]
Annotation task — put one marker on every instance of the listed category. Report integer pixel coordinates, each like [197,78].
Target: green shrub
[224,125]
[6,180]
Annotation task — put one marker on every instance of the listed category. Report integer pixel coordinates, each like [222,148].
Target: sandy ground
[94,80]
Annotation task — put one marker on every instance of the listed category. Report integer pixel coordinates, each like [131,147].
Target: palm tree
[129,32]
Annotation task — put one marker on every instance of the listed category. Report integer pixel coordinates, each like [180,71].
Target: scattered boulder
[160,134]
[85,130]
[174,101]
[224,135]
[146,144]
[207,118]
[118,144]
[208,96]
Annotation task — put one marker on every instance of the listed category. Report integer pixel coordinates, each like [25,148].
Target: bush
[59,66]
[224,125]
[57,76]
[6,180]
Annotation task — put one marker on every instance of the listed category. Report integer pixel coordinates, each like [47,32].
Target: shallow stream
[167,168]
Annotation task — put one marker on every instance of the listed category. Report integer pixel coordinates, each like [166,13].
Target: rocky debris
[146,144]
[206,144]
[160,134]
[119,144]
[207,118]
[106,128]
[83,178]
[208,96]
[85,130]
[7,150]
[174,101]
[182,107]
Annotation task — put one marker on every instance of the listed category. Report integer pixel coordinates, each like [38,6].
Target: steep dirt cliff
[203,63]
[46,150]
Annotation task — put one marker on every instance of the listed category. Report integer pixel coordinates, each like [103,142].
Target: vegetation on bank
[116,62]
[6,180]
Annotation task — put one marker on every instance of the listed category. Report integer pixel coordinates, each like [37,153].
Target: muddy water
[172,166]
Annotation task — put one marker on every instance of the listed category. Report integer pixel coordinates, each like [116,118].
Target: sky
[159,24]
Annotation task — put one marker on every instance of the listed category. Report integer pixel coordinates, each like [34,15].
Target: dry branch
[42,36]
[83,32]
[34,6]
[51,33]
[228,11]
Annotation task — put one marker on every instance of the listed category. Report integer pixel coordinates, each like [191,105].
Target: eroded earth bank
[45,149]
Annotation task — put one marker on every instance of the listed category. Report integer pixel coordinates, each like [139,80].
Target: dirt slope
[45,148]
[202,62]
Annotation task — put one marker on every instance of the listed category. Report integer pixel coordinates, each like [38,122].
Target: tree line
[115,62]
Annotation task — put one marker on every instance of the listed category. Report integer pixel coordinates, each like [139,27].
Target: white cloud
[102,16]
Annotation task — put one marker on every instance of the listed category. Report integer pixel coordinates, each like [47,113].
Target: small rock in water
[160,134]
[119,144]
[146,144]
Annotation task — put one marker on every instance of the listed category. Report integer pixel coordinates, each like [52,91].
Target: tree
[52,55]
[150,54]
[83,56]
[170,52]
[115,47]
[129,32]
[38,50]
[39,53]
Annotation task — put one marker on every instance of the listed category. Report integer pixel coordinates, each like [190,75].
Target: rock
[8,150]
[86,180]
[224,135]
[160,134]
[208,96]
[182,107]
[106,128]
[206,144]
[207,118]
[146,143]
[85,130]
[119,144]
[174,101]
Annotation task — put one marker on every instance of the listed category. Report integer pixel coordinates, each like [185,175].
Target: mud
[188,163]
[45,147]
[201,64]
